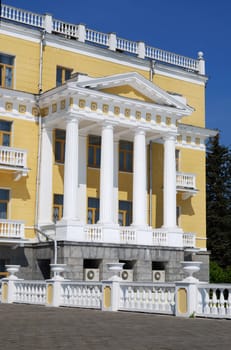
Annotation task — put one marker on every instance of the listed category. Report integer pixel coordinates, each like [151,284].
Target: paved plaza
[38,327]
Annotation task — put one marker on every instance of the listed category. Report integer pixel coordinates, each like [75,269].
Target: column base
[70,230]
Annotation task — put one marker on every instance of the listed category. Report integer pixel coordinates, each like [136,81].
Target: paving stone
[37,327]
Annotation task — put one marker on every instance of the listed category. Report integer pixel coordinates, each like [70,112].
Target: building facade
[102,152]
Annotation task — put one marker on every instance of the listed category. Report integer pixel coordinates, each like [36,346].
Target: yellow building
[102,150]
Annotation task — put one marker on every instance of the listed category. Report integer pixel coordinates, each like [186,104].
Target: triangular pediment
[135,86]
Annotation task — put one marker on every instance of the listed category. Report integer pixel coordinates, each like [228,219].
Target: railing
[171,58]
[214,300]
[81,294]
[93,233]
[189,240]
[67,29]
[30,292]
[22,16]
[11,229]
[160,238]
[72,31]
[185,180]
[13,157]
[97,37]
[147,297]
[127,235]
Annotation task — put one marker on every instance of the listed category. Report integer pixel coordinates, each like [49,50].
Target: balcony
[186,183]
[11,229]
[13,160]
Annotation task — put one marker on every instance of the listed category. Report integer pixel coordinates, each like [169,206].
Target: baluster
[162,299]
[169,301]
[156,299]
[131,299]
[214,303]
[221,309]
[149,304]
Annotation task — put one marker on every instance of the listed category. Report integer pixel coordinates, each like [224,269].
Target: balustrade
[93,233]
[81,294]
[72,31]
[11,229]
[214,300]
[127,235]
[156,298]
[30,292]
[12,157]
[186,180]
[160,238]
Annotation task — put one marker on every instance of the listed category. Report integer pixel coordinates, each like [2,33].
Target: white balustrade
[11,229]
[127,45]
[13,157]
[30,292]
[127,235]
[148,297]
[81,294]
[95,37]
[214,300]
[22,16]
[67,29]
[93,233]
[189,240]
[186,180]
[171,58]
[160,237]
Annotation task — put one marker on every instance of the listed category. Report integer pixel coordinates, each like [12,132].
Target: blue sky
[180,26]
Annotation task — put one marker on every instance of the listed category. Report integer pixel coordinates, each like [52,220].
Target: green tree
[218,187]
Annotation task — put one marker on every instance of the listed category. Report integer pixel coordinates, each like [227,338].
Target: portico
[85,107]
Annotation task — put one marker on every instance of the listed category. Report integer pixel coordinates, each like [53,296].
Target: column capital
[71,117]
[169,137]
[109,124]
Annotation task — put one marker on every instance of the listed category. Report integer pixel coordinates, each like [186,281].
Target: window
[125,213]
[58,207]
[94,151]
[5,132]
[4,202]
[60,137]
[125,156]
[177,155]
[62,74]
[93,211]
[6,71]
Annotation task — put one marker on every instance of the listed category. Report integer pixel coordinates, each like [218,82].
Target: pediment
[135,86]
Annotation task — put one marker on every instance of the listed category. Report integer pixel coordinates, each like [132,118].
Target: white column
[106,175]
[116,186]
[45,182]
[139,179]
[82,191]
[169,182]
[71,170]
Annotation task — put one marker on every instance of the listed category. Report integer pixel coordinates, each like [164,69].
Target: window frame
[58,206]
[5,132]
[5,201]
[127,166]
[62,142]
[95,147]
[63,70]
[93,210]
[126,212]
[3,70]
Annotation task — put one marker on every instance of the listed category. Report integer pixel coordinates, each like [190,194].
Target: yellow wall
[26,133]
[24,136]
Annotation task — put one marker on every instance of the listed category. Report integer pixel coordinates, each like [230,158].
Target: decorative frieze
[105,108]
[35,111]
[116,110]
[82,104]
[94,106]
[127,112]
